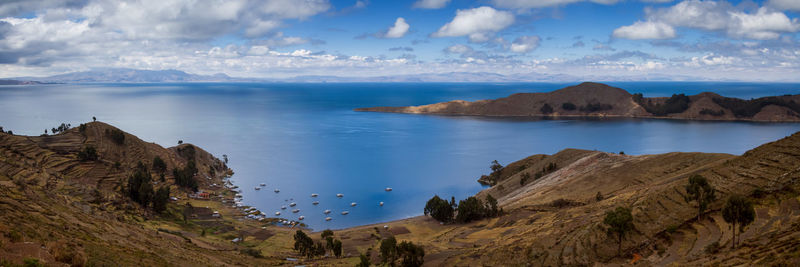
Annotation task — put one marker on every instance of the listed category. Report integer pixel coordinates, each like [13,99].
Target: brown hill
[599,100]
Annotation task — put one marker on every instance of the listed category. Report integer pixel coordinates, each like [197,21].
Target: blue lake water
[306,138]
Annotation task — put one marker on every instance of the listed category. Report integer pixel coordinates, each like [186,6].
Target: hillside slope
[599,100]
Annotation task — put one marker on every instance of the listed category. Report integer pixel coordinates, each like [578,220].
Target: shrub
[524,178]
[546,109]
[31,262]
[139,187]
[252,252]
[89,153]
[595,107]
[759,192]
[160,199]
[363,261]
[15,236]
[568,106]
[598,197]
[749,108]
[713,248]
[715,113]
[470,209]
[82,128]
[116,135]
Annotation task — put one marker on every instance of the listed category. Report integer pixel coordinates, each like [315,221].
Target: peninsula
[590,99]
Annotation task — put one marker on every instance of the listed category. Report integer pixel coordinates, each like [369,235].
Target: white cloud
[645,30]
[431,4]
[458,49]
[710,16]
[785,4]
[525,44]
[525,4]
[477,23]
[399,29]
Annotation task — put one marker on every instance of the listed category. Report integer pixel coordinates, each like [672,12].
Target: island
[597,100]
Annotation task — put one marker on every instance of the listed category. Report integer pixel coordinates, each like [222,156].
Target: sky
[676,40]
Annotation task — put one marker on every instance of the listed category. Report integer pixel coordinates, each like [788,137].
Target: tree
[139,187]
[700,190]
[337,248]
[439,209]
[94,118]
[389,250]
[738,210]
[470,209]
[491,206]
[620,222]
[363,261]
[180,142]
[568,106]
[225,158]
[159,165]
[495,166]
[327,235]
[546,109]
[412,255]
[303,244]
[161,198]
[116,135]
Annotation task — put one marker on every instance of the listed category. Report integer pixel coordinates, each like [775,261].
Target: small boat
[314,195]
[262,184]
[276,190]
[315,202]
[283,207]
[258,188]
[353,204]
[388,189]
[327,211]
[292,204]
[295,210]
[339,195]
[277,213]
[301,217]
[345,212]
[381,203]
[328,218]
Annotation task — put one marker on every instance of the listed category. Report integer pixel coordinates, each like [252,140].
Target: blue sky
[533,39]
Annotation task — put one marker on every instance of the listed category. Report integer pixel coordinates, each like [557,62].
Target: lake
[306,138]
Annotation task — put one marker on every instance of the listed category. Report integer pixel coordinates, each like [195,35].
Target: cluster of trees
[140,190]
[9,131]
[568,106]
[467,210]
[546,109]
[88,153]
[595,107]
[411,255]
[749,108]
[116,135]
[715,113]
[306,246]
[677,103]
[159,165]
[185,177]
[492,178]
[60,129]
[550,167]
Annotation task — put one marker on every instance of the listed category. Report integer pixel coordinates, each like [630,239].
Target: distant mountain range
[122,75]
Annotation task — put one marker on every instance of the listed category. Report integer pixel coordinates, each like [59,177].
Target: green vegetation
[81,129]
[252,252]
[305,245]
[334,245]
[61,128]
[412,255]
[749,108]
[599,196]
[470,209]
[389,250]
[31,262]
[568,106]
[700,190]
[88,153]
[738,210]
[439,209]
[159,165]
[524,178]
[116,135]
[185,177]
[160,199]
[494,176]
[546,109]
[139,187]
[677,103]
[620,222]
[363,261]
[595,107]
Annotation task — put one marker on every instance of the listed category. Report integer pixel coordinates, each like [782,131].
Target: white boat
[314,195]
[301,217]
[276,190]
[328,218]
[258,188]
[327,211]
[263,184]
[292,204]
[295,210]
[353,204]
[339,195]
[345,212]
[315,202]
[283,207]
[381,203]
[277,213]
[388,189]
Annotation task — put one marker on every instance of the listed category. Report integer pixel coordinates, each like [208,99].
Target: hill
[600,100]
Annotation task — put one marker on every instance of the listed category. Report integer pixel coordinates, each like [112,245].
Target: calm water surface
[305,138]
